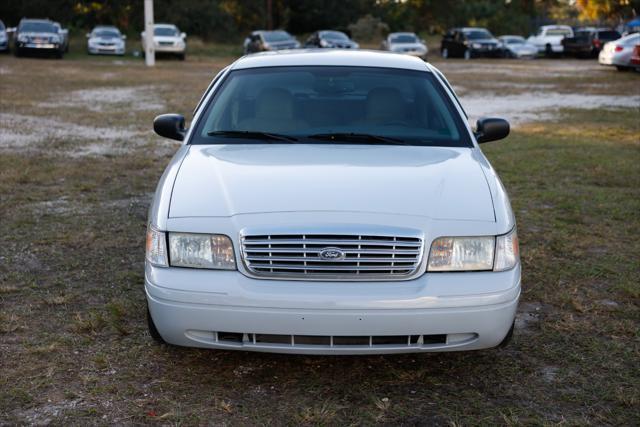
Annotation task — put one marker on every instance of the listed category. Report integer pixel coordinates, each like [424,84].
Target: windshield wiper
[357,137]
[249,134]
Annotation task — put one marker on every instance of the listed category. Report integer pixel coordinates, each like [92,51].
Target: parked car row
[46,36]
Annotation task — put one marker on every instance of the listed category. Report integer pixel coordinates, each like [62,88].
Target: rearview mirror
[170,126]
[491,129]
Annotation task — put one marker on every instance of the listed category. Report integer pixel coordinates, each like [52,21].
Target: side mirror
[124,37]
[170,126]
[491,129]
[183,35]
[88,35]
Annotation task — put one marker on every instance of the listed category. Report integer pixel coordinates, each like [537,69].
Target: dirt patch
[135,98]
[538,106]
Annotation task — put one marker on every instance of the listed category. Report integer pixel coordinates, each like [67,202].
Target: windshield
[106,33]
[515,40]
[404,38]
[334,35]
[478,34]
[608,35]
[38,27]
[276,36]
[165,31]
[302,102]
[559,32]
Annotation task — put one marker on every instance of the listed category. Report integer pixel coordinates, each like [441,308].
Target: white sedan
[331,202]
[407,43]
[167,39]
[618,52]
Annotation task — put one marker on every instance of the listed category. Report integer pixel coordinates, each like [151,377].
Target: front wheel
[445,53]
[507,339]
[621,68]
[153,331]
[182,56]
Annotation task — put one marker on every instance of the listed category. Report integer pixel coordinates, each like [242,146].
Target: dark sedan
[261,41]
[469,43]
[38,35]
[331,39]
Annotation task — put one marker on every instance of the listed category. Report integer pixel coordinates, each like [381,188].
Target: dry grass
[73,342]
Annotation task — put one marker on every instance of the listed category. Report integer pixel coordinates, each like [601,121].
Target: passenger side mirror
[170,126]
[183,35]
[491,129]
[124,37]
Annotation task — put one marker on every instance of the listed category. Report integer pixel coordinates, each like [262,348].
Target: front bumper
[467,311]
[39,46]
[169,49]
[106,50]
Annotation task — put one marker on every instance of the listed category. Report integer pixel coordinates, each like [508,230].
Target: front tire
[153,331]
[507,339]
[622,68]
[182,56]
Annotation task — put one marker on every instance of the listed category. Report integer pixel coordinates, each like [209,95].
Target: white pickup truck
[548,39]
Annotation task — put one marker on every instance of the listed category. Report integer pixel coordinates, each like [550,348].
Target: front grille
[331,341]
[355,257]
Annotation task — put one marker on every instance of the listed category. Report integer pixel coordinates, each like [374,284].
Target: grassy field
[78,165]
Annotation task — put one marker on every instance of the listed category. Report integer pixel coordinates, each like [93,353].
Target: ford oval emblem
[331,254]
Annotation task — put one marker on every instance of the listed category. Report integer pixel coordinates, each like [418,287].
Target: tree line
[228,20]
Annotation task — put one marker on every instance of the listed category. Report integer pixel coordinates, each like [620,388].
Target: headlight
[476,46]
[483,253]
[23,38]
[156,252]
[462,253]
[325,43]
[507,251]
[213,251]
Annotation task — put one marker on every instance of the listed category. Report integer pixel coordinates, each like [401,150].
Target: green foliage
[369,28]
[231,20]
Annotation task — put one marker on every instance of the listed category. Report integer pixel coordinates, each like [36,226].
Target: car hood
[105,39]
[484,41]
[524,47]
[436,182]
[174,39]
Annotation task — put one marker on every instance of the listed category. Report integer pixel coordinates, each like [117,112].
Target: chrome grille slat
[362,257]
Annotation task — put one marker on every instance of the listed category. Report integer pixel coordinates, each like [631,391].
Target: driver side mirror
[170,126]
[491,129]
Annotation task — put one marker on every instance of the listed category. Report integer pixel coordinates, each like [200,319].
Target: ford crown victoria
[331,202]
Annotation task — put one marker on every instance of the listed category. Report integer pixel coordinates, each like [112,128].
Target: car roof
[165,25]
[563,27]
[472,29]
[330,57]
[105,27]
